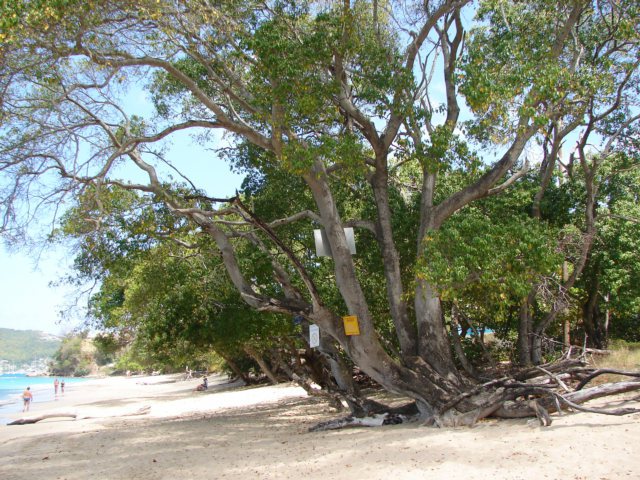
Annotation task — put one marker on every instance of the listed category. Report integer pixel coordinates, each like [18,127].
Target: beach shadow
[266,440]
[165,397]
[186,392]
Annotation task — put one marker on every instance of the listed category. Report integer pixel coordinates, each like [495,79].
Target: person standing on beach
[56,383]
[27,398]
[62,387]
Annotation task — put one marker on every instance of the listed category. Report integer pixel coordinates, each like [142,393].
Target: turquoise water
[12,386]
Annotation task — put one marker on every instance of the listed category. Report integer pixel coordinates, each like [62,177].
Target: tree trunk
[593,319]
[433,341]
[234,367]
[566,333]
[391,259]
[262,363]
[524,335]
[607,319]
[427,381]
[341,373]
[536,349]
[457,343]
[566,330]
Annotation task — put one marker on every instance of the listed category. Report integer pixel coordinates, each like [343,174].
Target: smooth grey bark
[457,343]
[433,342]
[341,374]
[525,330]
[593,318]
[264,366]
[405,330]
[429,377]
[234,367]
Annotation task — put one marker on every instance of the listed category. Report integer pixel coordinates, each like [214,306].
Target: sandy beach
[238,432]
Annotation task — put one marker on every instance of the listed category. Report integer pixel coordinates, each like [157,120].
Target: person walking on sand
[56,384]
[27,398]
[62,387]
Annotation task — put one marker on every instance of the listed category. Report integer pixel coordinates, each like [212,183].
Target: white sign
[323,249]
[314,336]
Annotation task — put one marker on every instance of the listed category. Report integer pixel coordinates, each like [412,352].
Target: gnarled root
[534,392]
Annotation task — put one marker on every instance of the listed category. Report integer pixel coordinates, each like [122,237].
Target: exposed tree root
[534,392]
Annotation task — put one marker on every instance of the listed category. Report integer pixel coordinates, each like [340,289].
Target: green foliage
[501,259]
[74,358]
[296,84]
[127,362]
[23,346]
[20,16]
[486,258]
[613,264]
[514,63]
[175,308]
[107,347]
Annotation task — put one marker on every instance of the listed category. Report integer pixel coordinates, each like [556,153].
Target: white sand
[233,432]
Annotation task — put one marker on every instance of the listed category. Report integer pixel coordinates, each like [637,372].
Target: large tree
[367,96]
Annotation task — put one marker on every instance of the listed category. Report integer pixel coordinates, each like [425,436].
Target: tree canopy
[477,149]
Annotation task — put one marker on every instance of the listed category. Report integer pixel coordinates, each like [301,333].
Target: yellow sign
[351,326]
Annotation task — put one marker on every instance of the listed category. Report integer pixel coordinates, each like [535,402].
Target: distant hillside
[23,346]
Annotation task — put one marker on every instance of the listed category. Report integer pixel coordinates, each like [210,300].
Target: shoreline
[43,394]
[166,396]
[236,432]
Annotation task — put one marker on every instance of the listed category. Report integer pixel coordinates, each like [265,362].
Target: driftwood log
[30,420]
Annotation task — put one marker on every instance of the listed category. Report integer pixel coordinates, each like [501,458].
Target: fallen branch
[618,412]
[555,378]
[533,392]
[604,390]
[551,400]
[604,371]
[376,420]
[543,415]
[31,420]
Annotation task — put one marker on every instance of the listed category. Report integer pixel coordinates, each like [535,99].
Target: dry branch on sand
[533,392]
[31,420]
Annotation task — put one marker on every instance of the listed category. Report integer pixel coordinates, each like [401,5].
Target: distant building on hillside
[6,367]
[38,367]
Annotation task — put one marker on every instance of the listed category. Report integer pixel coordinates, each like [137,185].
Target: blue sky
[28,302]
[27,299]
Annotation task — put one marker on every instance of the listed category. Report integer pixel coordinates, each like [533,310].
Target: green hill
[23,346]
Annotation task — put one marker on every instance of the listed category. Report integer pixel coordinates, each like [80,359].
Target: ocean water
[12,386]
